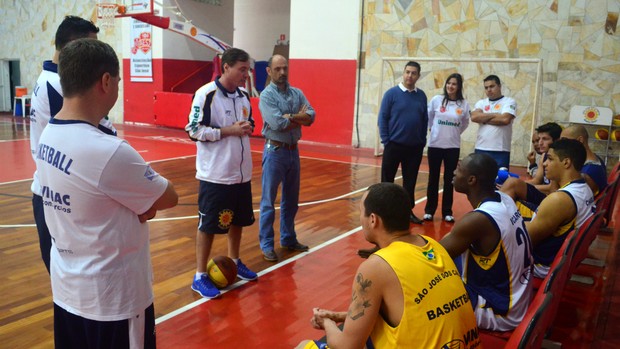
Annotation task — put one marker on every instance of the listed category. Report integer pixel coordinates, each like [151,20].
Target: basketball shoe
[205,287]
[244,273]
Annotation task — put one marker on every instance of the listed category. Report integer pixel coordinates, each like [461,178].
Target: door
[5,87]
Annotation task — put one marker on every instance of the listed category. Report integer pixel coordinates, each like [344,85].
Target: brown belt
[281,144]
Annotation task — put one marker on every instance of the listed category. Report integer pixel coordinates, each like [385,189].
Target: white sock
[236,260]
[198,275]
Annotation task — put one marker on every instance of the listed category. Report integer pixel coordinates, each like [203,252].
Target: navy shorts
[223,205]
[534,196]
[75,332]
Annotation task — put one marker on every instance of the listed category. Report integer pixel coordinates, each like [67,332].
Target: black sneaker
[415,219]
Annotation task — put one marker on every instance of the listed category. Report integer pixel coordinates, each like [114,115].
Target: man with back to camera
[403,122]
[495,115]
[491,247]
[285,111]
[101,269]
[46,102]
[221,122]
[408,294]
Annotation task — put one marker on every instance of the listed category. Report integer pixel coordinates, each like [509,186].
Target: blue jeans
[280,165]
[501,157]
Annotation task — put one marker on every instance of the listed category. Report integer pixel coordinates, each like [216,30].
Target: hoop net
[106,13]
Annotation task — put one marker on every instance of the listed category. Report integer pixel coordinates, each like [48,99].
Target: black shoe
[366,252]
[415,219]
[297,247]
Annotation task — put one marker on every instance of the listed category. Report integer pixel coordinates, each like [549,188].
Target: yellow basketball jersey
[437,313]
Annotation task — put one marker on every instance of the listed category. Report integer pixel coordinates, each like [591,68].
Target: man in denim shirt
[285,110]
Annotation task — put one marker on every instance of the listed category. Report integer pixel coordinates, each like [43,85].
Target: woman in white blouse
[448,117]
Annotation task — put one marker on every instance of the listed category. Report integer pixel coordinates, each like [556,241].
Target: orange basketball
[601,134]
[222,271]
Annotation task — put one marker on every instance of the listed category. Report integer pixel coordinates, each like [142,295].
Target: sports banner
[141,52]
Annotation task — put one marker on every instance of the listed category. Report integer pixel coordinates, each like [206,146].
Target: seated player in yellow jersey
[558,213]
[408,294]
[491,246]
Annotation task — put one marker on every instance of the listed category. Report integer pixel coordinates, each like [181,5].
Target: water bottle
[503,174]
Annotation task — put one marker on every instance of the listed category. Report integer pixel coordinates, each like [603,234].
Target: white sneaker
[448,219]
[428,217]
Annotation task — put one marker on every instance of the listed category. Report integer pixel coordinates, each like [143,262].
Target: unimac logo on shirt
[149,174]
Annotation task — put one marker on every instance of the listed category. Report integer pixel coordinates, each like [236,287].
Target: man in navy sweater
[403,122]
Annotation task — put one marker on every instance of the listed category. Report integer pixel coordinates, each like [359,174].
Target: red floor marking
[16,160]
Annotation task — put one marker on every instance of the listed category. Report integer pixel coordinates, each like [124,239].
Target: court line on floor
[277,266]
[14,140]
[168,219]
[178,140]
[196,216]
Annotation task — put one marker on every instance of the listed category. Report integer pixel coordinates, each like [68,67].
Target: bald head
[575,132]
[276,59]
[480,166]
[277,68]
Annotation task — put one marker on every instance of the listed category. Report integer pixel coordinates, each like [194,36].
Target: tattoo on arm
[360,297]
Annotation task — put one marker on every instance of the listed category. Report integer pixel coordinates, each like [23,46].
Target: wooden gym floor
[273,311]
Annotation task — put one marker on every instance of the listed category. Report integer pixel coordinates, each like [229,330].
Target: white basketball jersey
[583,199]
[46,102]
[501,279]
[94,186]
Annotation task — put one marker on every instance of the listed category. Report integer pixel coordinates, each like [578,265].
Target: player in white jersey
[493,247]
[46,103]
[495,115]
[549,226]
[97,192]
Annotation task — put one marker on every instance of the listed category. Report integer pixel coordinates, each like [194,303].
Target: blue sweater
[403,117]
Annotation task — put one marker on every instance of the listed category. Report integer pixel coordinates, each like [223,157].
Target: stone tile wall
[27,33]
[578,42]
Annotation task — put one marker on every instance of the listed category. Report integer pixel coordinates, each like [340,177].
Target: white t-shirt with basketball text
[94,186]
[493,137]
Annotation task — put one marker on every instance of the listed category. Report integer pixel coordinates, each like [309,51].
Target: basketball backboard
[124,8]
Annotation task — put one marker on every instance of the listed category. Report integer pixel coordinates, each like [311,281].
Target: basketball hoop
[107,11]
